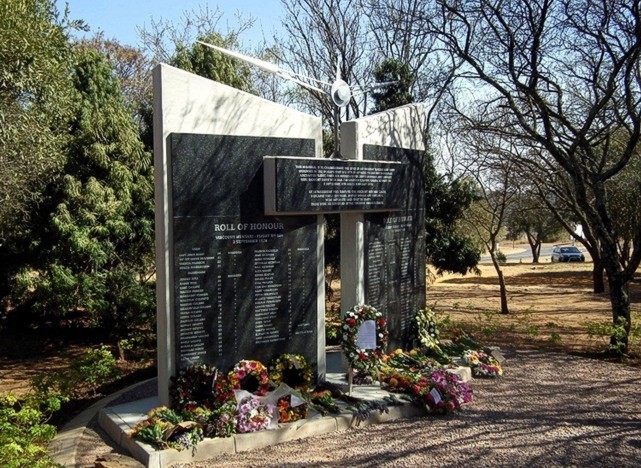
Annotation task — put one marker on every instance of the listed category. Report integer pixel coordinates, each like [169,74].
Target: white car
[567,254]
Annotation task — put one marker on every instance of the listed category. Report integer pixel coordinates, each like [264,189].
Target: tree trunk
[598,279]
[535,246]
[503,290]
[620,300]
[536,251]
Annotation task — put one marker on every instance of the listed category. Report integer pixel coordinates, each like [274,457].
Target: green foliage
[93,246]
[85,373]
[501,258]
[607,330]
[24,432]
[446,202]
[36,99]
[210,63]
[94,368]
[555,338]
[396,94]
[487,323]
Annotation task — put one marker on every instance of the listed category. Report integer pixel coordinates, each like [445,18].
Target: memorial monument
[232,283]
[240,192]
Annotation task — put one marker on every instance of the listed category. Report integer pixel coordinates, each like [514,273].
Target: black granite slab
[307,186]
[245,284]
[395,249]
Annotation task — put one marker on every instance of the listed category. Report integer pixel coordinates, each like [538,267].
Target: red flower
[351,322]
[381,322]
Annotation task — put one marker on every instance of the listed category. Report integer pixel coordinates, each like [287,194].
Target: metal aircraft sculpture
[340,92]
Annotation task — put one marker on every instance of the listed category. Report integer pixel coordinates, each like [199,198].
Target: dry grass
[550,305]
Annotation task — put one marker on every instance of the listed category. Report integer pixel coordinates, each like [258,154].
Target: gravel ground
[548,410]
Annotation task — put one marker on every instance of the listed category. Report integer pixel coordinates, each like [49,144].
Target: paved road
[525,254]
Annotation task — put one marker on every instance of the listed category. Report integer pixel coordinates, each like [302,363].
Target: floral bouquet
[220,422]
[424,327]
[288,413]
[192,388]
[482,364]
[251,376]
[164,428]
[360,358]
[399,381]
[253,415]
[442,391]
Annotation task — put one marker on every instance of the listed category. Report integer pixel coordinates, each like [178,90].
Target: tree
[92,244]
[445,200]
[531,217]
[397,94]
[174,43]
[210,63]
[496,190]
[322,35]
[447,203]
[36,98]
[566,76]
[129,64]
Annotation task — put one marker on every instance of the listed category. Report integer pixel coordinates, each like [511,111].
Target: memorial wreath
[425,329]
[251,376]
[359,358]
[293,370]
[192,388]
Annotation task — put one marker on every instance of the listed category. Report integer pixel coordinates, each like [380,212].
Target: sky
[118,19]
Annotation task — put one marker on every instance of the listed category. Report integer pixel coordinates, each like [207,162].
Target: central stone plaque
[244,283]
[308,186]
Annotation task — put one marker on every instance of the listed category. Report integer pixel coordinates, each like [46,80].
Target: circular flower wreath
[293,370]
[251,376]
[363,359]
[193,388]
[424,324]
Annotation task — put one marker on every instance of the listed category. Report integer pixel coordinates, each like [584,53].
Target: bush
[85,373]
[24,432]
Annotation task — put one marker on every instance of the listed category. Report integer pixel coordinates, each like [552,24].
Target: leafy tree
[530,217]
[445,200]
[397,94]
[129,64]
[210,63]
[447,204]
[94,241]
[566,76]
[36,98]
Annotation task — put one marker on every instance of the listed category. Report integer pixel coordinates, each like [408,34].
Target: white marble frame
[402,127]
[187,103]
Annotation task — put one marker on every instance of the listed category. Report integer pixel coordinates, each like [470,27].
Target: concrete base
[118,421]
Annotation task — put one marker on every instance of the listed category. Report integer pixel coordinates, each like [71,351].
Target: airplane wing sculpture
[340,92]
